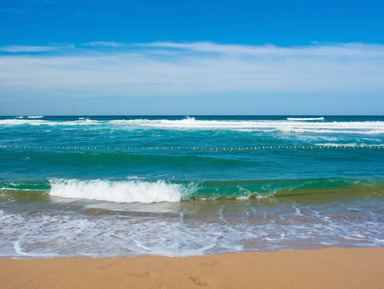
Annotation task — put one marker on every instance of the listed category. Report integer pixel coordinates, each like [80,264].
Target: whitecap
[119,191]
[305,118]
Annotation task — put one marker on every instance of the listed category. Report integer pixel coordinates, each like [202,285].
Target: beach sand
[323,268]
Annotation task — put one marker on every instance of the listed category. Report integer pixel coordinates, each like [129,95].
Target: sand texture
[325,268]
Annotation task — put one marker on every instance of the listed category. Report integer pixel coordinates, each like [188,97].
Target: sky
[191,57]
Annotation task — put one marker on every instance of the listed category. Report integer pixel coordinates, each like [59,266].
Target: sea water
[108,186]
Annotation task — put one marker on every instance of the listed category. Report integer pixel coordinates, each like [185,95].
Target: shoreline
[322,268]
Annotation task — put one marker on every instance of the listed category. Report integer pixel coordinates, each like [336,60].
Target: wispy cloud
[24,49]
[337,50]
[102,44]
[186,69]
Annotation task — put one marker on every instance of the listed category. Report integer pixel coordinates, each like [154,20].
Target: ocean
[111,186]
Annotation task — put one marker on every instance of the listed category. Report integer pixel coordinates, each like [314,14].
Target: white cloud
[102,43]
[344,49]
[185,69]
[24,49]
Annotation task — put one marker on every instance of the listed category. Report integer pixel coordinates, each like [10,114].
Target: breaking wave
[140,191]
[118,191]
[287,126]
[290,125]
[305,118]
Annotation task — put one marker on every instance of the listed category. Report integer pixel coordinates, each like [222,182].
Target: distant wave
[291,125]
[349,144]
[35,116]
[358,127]
[305,118]
[37,121]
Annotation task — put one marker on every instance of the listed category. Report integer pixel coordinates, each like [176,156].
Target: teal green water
[111,186]
[219,190]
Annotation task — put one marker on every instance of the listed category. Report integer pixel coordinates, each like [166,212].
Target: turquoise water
[189,185]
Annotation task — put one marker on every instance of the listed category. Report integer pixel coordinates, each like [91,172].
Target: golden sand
[324,268]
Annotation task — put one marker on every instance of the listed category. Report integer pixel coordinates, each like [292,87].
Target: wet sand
[324,268]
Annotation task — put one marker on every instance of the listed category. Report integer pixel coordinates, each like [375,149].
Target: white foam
[291,125]
[35,116]
[159,230]
[118,191]
[287,126]
[349,144]
[305,118]
[35,121]
[19,250]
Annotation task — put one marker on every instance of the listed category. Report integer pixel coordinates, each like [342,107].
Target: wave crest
[305,118]
[290,125]
[118,191]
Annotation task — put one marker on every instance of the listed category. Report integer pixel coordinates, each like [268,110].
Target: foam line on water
[36,121]
[224,228]
[287,126]
[19,250]
[305,118]
[291,125]
[348,144]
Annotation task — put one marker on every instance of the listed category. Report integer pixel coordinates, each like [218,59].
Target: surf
[156,191]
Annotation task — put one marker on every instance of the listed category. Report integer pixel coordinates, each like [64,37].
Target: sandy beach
[324,268]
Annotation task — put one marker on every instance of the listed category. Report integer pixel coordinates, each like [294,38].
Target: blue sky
[191,57]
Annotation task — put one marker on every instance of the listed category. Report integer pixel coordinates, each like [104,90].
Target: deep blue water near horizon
[68,188]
